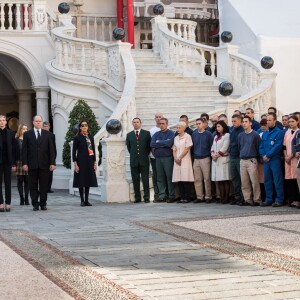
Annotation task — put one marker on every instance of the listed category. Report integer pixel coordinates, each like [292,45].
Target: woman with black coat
[85,166]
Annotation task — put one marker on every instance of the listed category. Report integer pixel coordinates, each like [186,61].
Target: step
[151,67]
[176,93]
[181,88]
[178,83]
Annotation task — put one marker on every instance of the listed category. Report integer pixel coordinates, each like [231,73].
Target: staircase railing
[108,62]
[254,86]
[180,53]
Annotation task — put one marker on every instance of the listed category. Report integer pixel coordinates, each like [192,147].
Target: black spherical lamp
[226,36]
[118,34]
[267,62]
[225,88]
[158,9]
[113,126]
[63,8]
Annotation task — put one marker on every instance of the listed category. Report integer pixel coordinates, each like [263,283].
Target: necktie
[38,135]
[137,134]
[292,131]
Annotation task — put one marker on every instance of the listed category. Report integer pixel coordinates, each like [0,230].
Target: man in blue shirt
[270,150]
[161,144]
[250,113]
[235,173]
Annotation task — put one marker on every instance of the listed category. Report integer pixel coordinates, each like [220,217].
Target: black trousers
[5,171]
[50,180]
[38,186]
[185,188]
[136,173]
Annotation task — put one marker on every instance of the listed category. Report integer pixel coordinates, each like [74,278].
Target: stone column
[114,187]
[42,102]
[25,106]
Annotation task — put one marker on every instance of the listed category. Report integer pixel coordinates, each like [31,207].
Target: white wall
[268,28]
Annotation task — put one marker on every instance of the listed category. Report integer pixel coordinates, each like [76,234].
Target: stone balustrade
[183,28]
[181,53]
[23,15]
[94,27]
[201,10]
[89,58]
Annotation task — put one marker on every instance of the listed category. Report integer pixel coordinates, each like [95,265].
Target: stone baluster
[185,34]
[261,106]
[102,30]
[18,17]
[26,17]
[124,123]
[10,16]
[59,53]
[95,28]
[110,30]
[93,59]
[82,58]
[256,109]
[66,55]
[72,61]
[2,16]
[88,27]
[212,63]
[172,27]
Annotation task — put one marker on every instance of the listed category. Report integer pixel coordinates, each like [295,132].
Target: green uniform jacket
[139,149]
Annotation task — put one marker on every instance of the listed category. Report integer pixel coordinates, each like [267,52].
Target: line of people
[250,163]
[31,154]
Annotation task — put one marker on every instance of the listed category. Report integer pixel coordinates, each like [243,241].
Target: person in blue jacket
[270,150]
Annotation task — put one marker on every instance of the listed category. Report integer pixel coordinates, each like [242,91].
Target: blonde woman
[22,176]
[183,169]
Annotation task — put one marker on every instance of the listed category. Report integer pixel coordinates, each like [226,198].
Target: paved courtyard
[148,251]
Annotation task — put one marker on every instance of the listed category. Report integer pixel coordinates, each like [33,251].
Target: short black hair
[222,116]
[205,115]
[137,118]
[184,116]
[251,109]
[247,117]
[273,115]
[274,108]
[236,116]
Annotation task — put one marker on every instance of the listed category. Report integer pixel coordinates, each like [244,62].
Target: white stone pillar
[42,102]
[25,106]
[114,187]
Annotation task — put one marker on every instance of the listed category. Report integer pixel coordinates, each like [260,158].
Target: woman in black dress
[85,165]
[22,176]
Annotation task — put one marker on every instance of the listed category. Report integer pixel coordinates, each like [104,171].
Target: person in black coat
[22,176]
[7,162]
[46,126]
[38,157]
[85,166]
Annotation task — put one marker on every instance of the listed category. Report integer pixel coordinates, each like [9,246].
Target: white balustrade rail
[201,10]
[109,62]
[94,27]
[182,54]
[23,15]
[183,28]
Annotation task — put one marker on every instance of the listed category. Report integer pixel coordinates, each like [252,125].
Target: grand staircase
[160,89]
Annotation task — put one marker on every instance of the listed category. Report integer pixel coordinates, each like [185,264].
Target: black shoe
[2,209]
[22,203]
[198,201]
[208,200]
[277,204]
[137,201]
[50,191]
[7,209]
[35,207]
[159,200]
[87,203]
[147,201]
[256,204]
[244,203]
[44,207]
[82,203]
[22,200]
[26,200]
[171,200]
[264,204]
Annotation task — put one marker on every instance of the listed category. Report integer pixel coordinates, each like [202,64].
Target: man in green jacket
[138,145]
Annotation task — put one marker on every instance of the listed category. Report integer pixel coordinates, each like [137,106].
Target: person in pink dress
[290,163]
[183,168]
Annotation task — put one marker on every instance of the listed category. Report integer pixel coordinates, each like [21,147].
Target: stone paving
[141,248]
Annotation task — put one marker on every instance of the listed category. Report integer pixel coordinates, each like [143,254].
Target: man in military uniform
[138,145]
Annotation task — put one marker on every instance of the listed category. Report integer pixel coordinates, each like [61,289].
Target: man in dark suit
[38,157]
[138,145]
[46,126]
[7,141]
